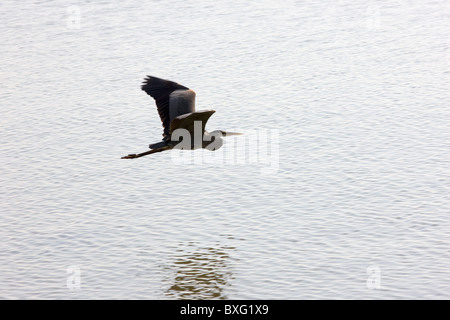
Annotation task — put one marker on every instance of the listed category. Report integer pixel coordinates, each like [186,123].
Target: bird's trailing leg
[138,155]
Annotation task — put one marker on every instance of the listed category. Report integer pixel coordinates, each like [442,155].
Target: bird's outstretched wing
[187,121]
[172,99]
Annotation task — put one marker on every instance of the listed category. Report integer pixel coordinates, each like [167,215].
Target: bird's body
[184,128]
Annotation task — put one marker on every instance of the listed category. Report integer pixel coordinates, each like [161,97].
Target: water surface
[357,203]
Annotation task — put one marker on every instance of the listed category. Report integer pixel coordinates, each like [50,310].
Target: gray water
[350,201]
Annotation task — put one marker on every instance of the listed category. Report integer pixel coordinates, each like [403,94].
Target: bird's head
[216,139]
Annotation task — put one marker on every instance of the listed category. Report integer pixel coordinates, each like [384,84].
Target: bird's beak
[226,133]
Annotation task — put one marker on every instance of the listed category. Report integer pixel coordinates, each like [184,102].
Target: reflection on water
[200,272]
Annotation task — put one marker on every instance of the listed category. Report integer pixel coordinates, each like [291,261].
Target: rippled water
[351,98]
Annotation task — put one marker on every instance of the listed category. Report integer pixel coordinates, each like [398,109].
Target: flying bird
[184,128]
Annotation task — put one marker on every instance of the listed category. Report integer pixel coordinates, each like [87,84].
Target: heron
[176,108]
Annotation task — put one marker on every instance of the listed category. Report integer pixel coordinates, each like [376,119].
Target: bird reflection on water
[201,273]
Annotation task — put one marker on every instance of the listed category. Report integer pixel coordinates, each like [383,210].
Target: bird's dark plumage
[187,121]
[172,99]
